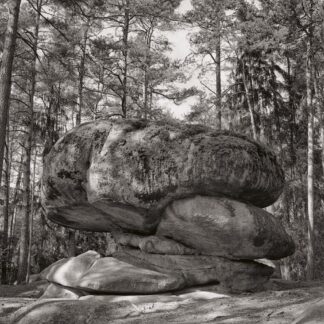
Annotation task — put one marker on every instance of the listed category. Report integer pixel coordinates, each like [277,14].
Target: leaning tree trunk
[6,71]
[250,105]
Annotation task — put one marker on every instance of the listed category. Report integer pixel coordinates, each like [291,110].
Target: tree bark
[6,72]
[310,163]
[292,122]
[82,74]
[262,136]
[24,235]
[147,63]
[31,217]
[125,54]
[14,211]
[218,99]
[5,241]
[248,99]
[322,139]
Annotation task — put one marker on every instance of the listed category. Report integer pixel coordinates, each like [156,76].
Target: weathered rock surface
[109,275]
[281,304]
[182,196]
[67,272]
[104,175]
[134,271]
[90,273]
[153,244]
[201,270]
[313,314]
[56,291]
[225,227]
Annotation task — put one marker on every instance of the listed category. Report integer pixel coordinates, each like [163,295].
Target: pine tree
[6,71]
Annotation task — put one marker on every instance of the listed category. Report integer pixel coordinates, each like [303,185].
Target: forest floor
[281,303]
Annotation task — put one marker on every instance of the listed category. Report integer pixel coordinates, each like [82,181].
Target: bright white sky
[179,39]
[180,49]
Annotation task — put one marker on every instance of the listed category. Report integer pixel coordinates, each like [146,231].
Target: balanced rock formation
[184,204]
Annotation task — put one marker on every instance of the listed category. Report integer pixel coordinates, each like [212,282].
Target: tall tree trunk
[145,92]
[6,71]
[5,241]
[31,217]
[262,136]
[248,99]
[292,113]
[151,99]
[147,63]
[15,200]
[320,93]
[125,55]
[82,74]
[218,99]
[25,228]
[310,162]
[25,224]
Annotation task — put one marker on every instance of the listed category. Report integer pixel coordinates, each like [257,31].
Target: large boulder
[112,175]
[225,227]
[184,198]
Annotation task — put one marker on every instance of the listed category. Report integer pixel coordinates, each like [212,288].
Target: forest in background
[259,68]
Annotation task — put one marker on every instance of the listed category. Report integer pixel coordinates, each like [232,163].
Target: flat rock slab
[57,291]
[313,314]
[133,271]
[90,273]
[225,227]
[201,270]
[69,271]
[106,175]
[200,305]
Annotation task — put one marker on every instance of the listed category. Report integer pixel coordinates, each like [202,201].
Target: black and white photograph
[161,161]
